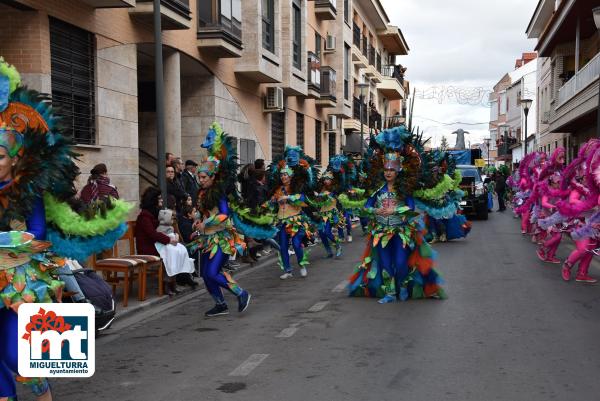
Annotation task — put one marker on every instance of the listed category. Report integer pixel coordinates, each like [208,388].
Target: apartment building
[569,64]
[272,72]
[507,118]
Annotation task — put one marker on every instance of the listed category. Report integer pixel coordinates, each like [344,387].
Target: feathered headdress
[301,166]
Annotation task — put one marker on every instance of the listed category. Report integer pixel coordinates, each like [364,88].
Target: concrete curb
[187,293]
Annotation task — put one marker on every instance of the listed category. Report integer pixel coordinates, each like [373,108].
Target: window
[318,134]
[72,72]
[318,45]
[277,134]
[346,71]
[247,148]
[332,144]
[300,129]
[226,14]
[297,39]
[268,25]
[346,10]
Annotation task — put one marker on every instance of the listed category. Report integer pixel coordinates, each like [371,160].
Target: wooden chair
[154,264]
[122,272]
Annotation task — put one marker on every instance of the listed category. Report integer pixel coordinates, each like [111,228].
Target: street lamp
[596,12]
[363,87]
[526,105]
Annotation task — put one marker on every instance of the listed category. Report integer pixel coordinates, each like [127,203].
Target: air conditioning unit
[331,123]
[273,99]
[330,44]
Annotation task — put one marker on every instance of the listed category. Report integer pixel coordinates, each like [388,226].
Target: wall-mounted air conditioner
[273,100]
[331,123]
[330,44]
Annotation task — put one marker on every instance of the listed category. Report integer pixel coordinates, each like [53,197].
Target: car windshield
[470,172]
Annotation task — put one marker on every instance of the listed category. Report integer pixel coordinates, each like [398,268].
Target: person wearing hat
[189,178]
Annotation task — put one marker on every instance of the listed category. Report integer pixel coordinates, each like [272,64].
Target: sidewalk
[153,300]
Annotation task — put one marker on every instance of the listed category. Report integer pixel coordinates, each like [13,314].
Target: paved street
[510,330]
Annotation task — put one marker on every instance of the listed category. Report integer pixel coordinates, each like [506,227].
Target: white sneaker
[291,251]
[258,255]
[349,238]
[303,272]
[285,276]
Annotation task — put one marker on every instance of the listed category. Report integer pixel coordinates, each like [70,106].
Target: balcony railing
[393,71]
[356,110]
[585,76]
[328,83]
[504,145]
[356,35]
[314,71]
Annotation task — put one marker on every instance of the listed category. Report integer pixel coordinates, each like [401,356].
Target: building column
[172,76]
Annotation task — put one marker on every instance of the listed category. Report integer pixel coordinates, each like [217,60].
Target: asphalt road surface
[510,330]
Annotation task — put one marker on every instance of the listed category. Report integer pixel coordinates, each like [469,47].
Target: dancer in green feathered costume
[37,175]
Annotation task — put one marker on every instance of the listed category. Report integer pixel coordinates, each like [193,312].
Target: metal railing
[356,110]
[393,71]
[585,76]
[314,71]
[378,66]
[147,167]
[328,83]
[372,59]
[210,19]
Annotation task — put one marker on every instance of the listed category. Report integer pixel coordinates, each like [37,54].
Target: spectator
[190,180]
[98,185]
[500,190]
[175,189]
[246,179]
[257,194]
[169,159]
[259,164]
[179,169]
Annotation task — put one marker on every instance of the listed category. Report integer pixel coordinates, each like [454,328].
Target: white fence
[585,76]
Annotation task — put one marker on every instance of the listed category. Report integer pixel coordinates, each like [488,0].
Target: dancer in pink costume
[527,178]
[580,206]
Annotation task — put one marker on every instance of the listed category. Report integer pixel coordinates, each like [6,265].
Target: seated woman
[148,240]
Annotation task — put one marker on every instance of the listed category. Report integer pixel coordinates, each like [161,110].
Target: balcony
[581,80]
[175,14]
[505,146]
[325,9]
[110,3]
[314,76]
[356,35]
[220,28]
[393,40]
[356,110]
[328,88]
[391,85]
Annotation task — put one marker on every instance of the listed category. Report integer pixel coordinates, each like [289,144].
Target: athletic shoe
[218,310]
[566,272]
[443,238]
[541,255]
[338,251]
[233,264]
[266,252]
[243,301]
[286,275]
[349,238]
[553,260]
[584,278]
[303,272]
[291,251]
[258,255]
[387,299]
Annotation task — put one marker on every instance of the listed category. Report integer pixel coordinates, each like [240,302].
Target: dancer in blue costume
[37,175]
[331,219]
[398,262]
[216,237]
[290,179]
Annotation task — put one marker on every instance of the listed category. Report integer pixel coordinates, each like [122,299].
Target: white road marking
[340,287]
[318,306]
[249,365]
[287,332]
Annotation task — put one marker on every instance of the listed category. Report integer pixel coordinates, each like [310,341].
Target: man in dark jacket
[190,183]
[500,190]
[257,193]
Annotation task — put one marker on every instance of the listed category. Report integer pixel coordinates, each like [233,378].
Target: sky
[457,47]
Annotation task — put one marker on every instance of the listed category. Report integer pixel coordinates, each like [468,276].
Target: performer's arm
[36,222]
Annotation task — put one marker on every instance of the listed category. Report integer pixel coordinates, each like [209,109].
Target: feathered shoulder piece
[299,166]
[556,163]
[222,160]
[45,157]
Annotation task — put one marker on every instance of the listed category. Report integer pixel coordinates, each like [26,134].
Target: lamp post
[526,105]
[596,12]
[487,145]
[363,87]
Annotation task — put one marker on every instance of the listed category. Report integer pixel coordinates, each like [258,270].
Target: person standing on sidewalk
[500,188]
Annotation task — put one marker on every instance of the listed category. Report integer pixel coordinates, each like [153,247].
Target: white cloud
[459,43]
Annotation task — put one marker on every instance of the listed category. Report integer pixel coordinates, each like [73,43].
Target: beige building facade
[272,72]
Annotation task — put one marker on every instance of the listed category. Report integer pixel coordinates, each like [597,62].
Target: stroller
[96,292]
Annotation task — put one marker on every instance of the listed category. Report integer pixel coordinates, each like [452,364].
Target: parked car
[475,202]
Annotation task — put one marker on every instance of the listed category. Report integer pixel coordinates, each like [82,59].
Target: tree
[444,143]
